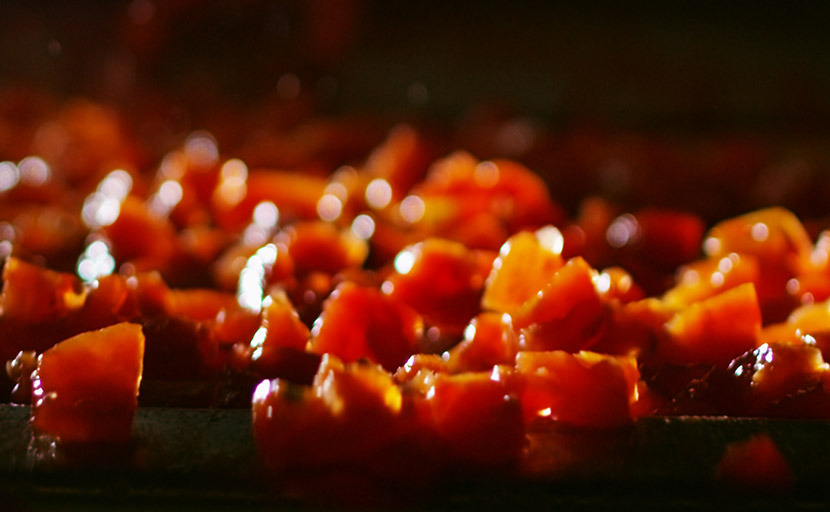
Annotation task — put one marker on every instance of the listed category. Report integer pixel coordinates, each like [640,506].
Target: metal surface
[200,458]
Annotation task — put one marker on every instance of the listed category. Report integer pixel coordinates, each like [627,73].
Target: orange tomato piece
[85,388]
[33,294]
[525,263]
[714,330]
[489,340]
[566,314]
[706,278]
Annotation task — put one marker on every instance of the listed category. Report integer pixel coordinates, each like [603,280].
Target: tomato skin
[585,389]
[85,388]
[361,322]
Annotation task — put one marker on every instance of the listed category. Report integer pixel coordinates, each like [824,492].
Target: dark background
[686,64]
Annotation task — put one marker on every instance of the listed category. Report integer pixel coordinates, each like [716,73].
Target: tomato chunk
[756,463]
[525,263]
[85,388]
[359,321]
[585,389]
[714,330]
[442,280]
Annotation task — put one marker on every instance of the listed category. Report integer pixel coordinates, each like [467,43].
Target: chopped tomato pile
[405,303]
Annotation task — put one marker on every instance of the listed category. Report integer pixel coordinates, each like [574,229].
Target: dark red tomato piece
[277,349]
[179,349]
[478,417]
[756,464]
[585,389]
[633,328]
[489,340]
[442,280]
[769,380]
[361,322]
[353,417]
[85,388]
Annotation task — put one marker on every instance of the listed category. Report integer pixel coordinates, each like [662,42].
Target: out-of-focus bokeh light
[378,193]
[412,209]
[201,149]
[34,171]
[9,176]
[363,226]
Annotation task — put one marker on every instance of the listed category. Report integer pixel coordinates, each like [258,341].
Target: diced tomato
[442,280]
[360,322]
[567,314]
[776,238]
[321,246]
[139,236]
[706,278]
[714,330]
[353,417]
[632,328]
[585,389]
[526,262]
[294,193]
[757,464]
[479,418]
[616,284]
[33,294]
[85,388]
[198,304]
[489,340]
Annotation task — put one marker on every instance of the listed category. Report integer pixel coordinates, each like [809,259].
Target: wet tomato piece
[352,418]
[442,280]
[33,294]
[584,389]
[489,340]
[567,314]
[361,322]
[478,417]
[525,263]
[85,388]
[714,330]
[706,278]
